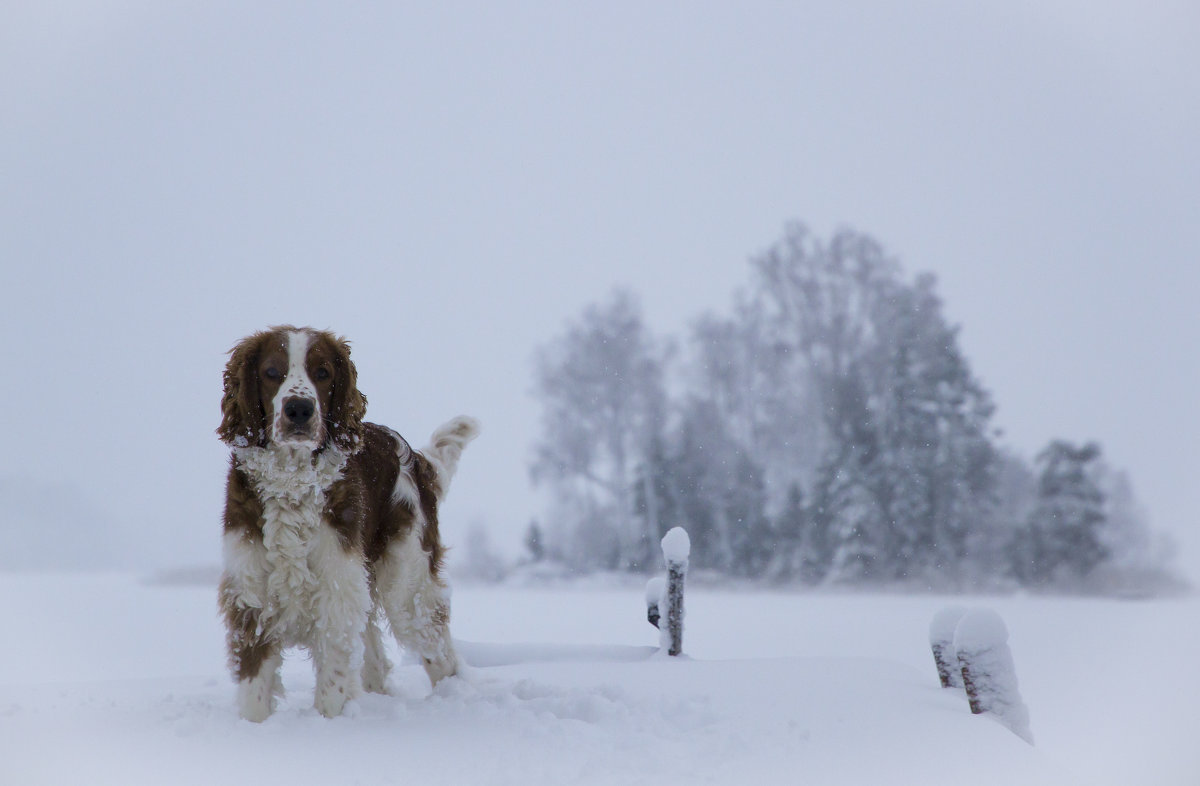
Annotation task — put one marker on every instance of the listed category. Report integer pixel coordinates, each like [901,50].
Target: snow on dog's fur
[330,524]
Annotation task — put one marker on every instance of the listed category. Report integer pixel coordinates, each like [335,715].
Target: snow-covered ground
[106,679]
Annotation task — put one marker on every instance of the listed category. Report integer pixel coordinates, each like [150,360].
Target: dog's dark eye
[322,373]
[272,373]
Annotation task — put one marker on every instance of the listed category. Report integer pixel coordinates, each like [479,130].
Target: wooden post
[988,674]
[676,547]
[969,675]
[941,641]
[675,576]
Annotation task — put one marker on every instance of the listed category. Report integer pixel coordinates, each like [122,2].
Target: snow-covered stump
[655,588]
[988,673]
[941,641]
[676,546]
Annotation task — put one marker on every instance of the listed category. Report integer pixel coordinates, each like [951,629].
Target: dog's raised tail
[446,446]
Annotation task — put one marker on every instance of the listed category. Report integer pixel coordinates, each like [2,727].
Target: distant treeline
[827,430]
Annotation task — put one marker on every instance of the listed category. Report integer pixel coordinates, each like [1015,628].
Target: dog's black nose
[298,410]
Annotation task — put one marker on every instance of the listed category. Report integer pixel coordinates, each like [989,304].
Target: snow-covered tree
[934,468]
[990,537]
[535,542]
[802,546]
[602,395]
[703,481]
[755,384]
[828,428]
[907,458]
[1062,540]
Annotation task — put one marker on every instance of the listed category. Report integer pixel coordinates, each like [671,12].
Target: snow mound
[656,589]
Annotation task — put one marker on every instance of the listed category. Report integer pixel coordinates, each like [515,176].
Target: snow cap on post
[941,641]
[980,629]
[989,676]
[676,545]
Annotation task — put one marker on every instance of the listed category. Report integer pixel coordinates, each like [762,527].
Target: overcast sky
[446,183]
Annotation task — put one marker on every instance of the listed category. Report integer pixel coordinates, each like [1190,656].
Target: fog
[445,186]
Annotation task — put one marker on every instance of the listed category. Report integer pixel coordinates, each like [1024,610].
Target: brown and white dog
[331,524]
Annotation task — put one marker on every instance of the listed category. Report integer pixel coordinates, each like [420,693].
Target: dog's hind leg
[441,660]
[375,660]
[417,607]
[424,630]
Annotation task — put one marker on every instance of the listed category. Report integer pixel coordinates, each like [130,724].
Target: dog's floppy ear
[242,420]
[348,406]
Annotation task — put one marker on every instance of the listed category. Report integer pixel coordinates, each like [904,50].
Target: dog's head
[292,387]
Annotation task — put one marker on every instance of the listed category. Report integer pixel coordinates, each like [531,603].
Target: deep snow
[109,680]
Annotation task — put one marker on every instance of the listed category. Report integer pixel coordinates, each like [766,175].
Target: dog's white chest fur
[292,486]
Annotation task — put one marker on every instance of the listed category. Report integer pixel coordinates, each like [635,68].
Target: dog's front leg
[342,604]
[258,692]
[254,657]
[337,680]
[254,652]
